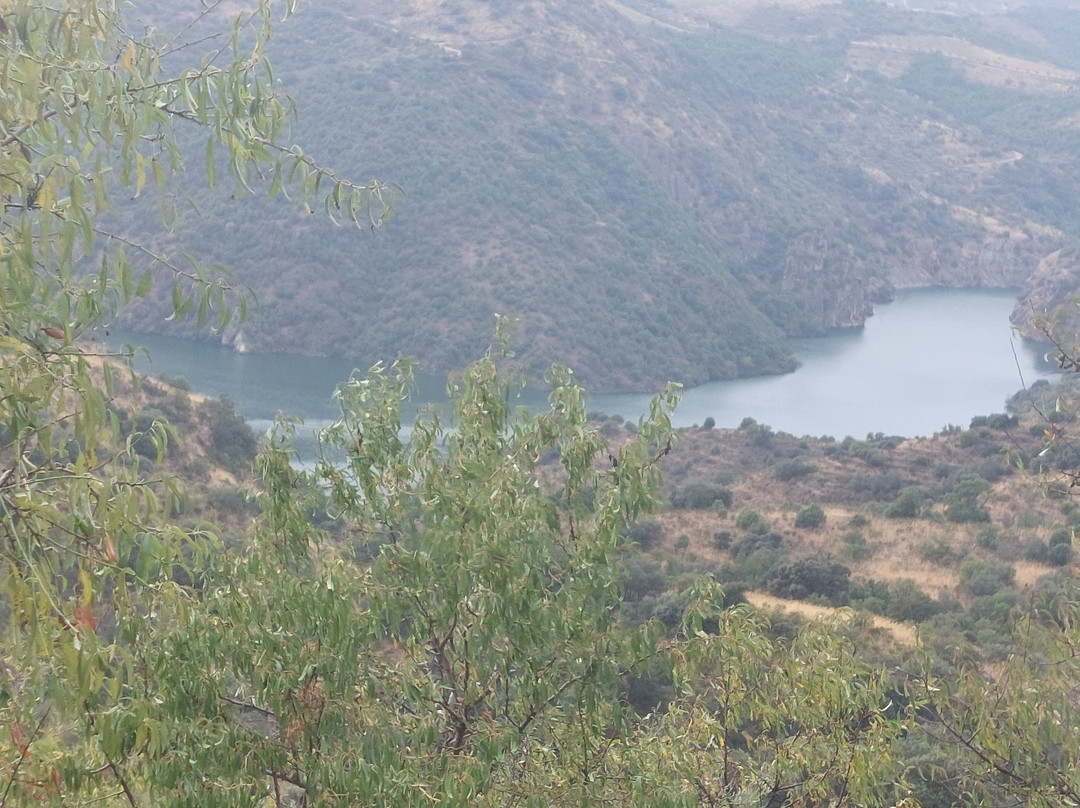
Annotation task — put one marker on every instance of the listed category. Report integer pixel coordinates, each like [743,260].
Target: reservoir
[930,358]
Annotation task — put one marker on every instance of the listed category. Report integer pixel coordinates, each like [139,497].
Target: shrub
[698,496]
[962,505]
[794,469]
[709,423]
[854,546]
[938,551]
[988,538]
[756,542]
[1061,536]
[982,577]
[810,517]
[872,595]
[145,421]
[645,532]
[751,521]
[643,577]
[232,443]
[1036,550]
[907,505]
[858,520]
[910,604]
[1059,554]
[722,540]
[810,576]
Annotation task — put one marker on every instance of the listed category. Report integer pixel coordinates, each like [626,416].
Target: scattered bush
[698,496]
[709,423]
[232,443]
[938,551]
[1062,535]
[1059,555]
[909,604]
[751,521]
[853,546]
[645,532]
[793,469]
[983,577]
[644,577]
[722,540]
[962,504]
[1036,550]
[756,542]
[988,538]
[858,520]
[810,517]
[810,576]
[148,422]
[908,504]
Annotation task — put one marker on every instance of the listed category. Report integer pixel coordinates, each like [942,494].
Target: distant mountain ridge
[655,195]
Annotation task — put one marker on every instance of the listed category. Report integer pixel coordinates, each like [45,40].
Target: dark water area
[930,358]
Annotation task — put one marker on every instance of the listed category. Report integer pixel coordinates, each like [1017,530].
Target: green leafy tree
[89,561]
[480,658]
[1011,736]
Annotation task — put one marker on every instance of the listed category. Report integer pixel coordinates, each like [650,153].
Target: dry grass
[902,633]
[732,12]
[889,54]
[1028,572]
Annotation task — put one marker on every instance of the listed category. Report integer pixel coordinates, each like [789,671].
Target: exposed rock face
[996,262]
[832,286]
[1051,300]
[837,286]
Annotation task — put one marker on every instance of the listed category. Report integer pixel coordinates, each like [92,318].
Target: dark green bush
[643,577]
[909,604]
[699,496]
[1036,550]
[938,551]
[750,520]
[794,469]
[755,542]
[853,546]
[722,540]
[143,442]
[908,504]
[1059,554]
[982,577]
[962,503]
[645,532]
[810,517]
[1062,535]
[232,443]
[810,576]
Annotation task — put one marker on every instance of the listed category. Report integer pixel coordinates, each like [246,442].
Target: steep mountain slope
[656,196]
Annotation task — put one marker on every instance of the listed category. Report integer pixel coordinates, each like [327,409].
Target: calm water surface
[931,358]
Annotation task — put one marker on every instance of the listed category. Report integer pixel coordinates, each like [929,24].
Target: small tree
[90,554]
[962,503]
[810,517]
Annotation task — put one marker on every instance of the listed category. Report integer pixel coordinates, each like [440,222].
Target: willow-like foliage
[91,101]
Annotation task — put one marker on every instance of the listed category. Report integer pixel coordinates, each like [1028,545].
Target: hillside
[933,541]
[655,194]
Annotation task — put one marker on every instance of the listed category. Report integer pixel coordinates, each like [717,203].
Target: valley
[621,175]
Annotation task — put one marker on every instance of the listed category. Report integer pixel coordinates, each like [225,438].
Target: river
[930,358]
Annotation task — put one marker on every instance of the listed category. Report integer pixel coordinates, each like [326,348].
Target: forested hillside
[656,195]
